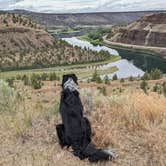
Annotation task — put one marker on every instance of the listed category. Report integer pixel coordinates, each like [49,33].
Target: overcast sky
[62,6]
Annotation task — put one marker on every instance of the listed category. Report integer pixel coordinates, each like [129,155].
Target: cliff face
[150,30]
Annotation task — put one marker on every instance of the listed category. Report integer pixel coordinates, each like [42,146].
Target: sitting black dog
[76,130]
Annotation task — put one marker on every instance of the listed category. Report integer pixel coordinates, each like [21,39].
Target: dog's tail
[95,155]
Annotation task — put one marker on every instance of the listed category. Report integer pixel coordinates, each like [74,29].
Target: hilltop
[123,118]
[24,43]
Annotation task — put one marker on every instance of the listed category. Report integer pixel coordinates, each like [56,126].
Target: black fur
[76,130]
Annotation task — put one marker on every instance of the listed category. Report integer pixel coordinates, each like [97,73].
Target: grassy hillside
[25,44]
[124,119]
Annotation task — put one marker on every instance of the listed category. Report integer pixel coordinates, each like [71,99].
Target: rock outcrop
[150,30]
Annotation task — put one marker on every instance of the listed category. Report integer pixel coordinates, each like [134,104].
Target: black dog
[76,130]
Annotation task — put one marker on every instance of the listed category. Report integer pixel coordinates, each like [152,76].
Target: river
[132,63]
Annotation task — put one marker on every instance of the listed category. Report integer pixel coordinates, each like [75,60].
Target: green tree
[106,80]
[146,76]
[155,74]
[115,77]
[98,79]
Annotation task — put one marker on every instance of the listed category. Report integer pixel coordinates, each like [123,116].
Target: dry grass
[131,123]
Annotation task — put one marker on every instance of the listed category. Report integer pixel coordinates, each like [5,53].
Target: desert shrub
[52,76]
[44,76]
[155,74]
[115,77]
[10,81]
[25,80]
[18,77]
[157,88]
[36,81]
[8,97]
[102,90]
[152,75]
[98,80]
[164,89]
[96,77]
[106,80]
[146,76]
[144,86]
[122,80]
[131,78]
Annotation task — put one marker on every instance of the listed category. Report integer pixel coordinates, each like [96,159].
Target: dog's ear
[75,79]
[66,77]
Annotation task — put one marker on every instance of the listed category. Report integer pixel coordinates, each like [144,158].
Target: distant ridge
[74,19]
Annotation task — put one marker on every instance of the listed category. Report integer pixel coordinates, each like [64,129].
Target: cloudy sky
[62,6]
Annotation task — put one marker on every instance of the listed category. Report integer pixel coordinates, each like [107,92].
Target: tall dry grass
[131,123]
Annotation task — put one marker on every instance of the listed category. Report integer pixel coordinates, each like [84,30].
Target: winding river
[132,63]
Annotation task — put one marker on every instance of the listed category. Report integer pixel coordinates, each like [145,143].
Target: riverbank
[159,51]
[84,70]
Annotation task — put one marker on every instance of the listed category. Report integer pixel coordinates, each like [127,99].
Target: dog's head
[69,81]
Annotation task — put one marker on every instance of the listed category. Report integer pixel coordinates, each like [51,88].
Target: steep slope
[150,30]
[18,33]
[103,18]
[23,43]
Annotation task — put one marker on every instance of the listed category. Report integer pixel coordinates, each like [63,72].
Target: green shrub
[152,75]
[122,80]
[146,76]
[155,74]
[157,88]
[44,76]
[8,97]
[131,78]
[102,90]
[10,81]
[36,81]
[164,88]
[52,76]
[144,86]
[98,80]
[18,77]
[26,80]
[96,77]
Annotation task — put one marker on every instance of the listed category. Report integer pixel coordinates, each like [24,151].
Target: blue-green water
[143,61]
